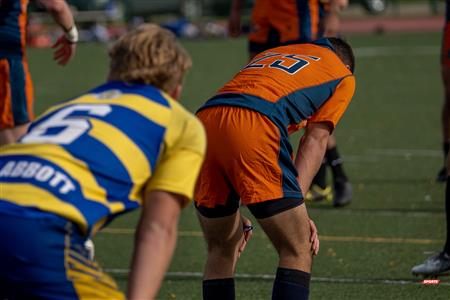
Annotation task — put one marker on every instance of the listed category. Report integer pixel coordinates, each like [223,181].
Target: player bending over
[249,159]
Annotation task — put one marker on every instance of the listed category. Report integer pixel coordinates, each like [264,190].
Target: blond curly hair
[151,55]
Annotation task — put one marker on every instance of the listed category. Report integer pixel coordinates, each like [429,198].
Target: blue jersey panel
[10,35]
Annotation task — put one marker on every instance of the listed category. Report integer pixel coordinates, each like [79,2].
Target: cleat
[316,194]
[442,175]
[343,193]
[437,264]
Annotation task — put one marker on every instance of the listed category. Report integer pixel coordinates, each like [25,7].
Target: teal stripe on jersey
[291,109]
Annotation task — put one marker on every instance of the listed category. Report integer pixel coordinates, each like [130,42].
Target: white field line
[376,155]
[383,213]
[405,152]
[363,239]
[199,275]
[396,51]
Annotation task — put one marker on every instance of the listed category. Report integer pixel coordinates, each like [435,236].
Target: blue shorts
[43,256]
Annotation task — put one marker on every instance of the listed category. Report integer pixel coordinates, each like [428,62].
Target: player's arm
[310,152]
[234,21]
[331,21]
[154,244]
[169,189]
[312,145]
[66,44]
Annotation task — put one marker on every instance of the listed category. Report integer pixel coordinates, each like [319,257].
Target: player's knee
[223,249]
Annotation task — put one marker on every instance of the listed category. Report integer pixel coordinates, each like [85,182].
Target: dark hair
[344,51]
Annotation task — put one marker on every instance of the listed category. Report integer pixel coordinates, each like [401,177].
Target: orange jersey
[292,85]
[13,19]
[294,20]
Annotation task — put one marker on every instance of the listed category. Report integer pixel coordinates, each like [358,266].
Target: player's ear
[176,93]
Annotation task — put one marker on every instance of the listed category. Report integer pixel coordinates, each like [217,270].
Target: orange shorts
[248,159]
[276,23]
[16,92]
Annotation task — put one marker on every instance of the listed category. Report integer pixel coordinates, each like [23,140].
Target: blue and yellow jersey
[13,19]
[292,85]
[93,157]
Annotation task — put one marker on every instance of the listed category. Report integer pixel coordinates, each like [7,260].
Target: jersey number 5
[289,63]
[68,128]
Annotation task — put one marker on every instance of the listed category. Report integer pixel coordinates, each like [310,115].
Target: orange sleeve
[333,109]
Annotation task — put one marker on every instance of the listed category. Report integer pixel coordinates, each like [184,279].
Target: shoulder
[185,129]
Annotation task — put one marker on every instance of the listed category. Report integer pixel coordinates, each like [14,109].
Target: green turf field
[390,140]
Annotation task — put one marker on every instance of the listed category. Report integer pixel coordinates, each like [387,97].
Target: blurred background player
[445,67]
[282,22]
[120,146]
[439,263]
[249,158]
[16,90]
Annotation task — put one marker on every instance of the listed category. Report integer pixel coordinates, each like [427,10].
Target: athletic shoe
[342,194]
[442,175]
[316,193]
[436,264]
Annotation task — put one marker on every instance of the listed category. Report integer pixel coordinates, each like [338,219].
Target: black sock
[335,162]
[447,214]
[218,289]
[321,176]
[291,284]
[446,147]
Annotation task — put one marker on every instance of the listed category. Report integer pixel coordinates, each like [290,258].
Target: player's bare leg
[11,135]
[290,233]
[225,238]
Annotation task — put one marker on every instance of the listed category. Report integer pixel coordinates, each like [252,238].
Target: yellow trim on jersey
[20,193]
[89,282]
[151,110]
[76,168]
[129,154]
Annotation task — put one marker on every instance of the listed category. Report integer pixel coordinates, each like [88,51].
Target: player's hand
[234,24]
[247,230]
[314,238]
[64,50]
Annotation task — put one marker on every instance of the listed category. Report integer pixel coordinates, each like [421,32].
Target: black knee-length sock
[447,214]
[218,289]
[291,284]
